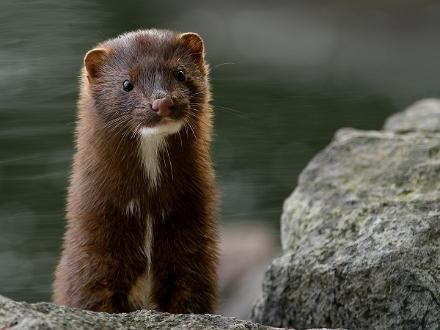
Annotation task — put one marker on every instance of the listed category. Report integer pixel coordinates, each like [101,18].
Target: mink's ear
[94,60]
[194,43]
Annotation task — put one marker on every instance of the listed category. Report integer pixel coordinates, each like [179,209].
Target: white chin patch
[152,141]
[168,128]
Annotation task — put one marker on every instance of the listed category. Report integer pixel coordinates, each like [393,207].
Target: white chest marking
[152,141]
[148,241]
[150,148]
[139,295]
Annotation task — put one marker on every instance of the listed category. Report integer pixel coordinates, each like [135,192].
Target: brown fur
[104,264]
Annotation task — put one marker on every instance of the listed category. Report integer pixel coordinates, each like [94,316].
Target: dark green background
[300,72]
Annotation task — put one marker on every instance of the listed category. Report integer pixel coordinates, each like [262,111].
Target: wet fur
[132,243]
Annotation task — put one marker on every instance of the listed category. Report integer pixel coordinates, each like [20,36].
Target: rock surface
[361,232]
[423,116]
[45,316]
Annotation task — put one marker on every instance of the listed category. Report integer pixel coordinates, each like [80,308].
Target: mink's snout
[163,107]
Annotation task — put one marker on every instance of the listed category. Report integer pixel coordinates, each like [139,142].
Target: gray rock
[423,116]
[361,235]
[45,316]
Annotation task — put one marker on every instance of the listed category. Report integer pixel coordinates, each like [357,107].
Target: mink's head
[148,82]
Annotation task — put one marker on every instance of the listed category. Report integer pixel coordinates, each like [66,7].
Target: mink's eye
[127,85]
[180,75]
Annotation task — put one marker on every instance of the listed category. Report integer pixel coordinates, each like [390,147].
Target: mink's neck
[133,164]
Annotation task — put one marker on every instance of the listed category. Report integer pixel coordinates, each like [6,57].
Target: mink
[142,202]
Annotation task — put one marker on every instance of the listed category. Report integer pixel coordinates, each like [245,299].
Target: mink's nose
[163,107]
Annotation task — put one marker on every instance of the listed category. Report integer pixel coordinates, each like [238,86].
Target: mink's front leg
[184,266]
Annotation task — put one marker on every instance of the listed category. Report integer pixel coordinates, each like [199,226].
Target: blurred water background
[285,76]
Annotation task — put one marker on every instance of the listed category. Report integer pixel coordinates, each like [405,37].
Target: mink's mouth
[148,122]
[165,121]
[157,121]
[162,127]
